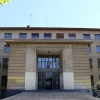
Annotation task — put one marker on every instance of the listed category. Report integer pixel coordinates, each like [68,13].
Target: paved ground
[51,96]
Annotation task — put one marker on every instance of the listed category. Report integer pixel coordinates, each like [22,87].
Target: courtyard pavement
[51,96]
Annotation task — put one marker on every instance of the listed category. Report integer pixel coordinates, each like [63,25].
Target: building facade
[49,58]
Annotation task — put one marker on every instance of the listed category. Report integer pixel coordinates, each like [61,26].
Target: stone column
[30,74]
[68,75]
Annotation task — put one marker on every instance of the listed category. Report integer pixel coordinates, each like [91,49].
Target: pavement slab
[51,96]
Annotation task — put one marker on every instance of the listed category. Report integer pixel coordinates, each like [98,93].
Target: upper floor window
[6,48]
[8,35]
[47,35]
[22,35]
[86,36]
[98,48]
[5,63]
[89,48]
[90,60]
[72,36]
[60,36]
[99,63]
[4,81]
[97,36]
[35,35]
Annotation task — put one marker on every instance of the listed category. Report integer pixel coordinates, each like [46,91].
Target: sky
[51,13]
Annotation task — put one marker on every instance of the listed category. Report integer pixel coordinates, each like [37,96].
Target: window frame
[89,48]
[92,80]
[22,37]
[86,38]
[9,37]
[49,35]
[59,35]
[90,62]
[98,62]
[5,63]
[98,48]
[2,82]
[6,50]
[71,34]
[35,34]
[97,36]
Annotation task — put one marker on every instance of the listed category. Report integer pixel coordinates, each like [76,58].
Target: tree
[4,1]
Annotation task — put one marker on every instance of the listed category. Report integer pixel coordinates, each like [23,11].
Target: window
[72,36]
[89,48]
[6,48]
[98,48]
[90,60]
[8,35]
[97,36]
[92,82]
[48,61]
[86,36]
[99,77]
[47,35]
[60,36]
[22,35]
[4,81]
[35,35]
[99,63]
[5,63]
[0,64]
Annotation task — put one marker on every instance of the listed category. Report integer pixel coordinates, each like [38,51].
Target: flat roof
[49,28]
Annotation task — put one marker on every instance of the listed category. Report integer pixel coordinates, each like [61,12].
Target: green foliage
[4,1]
[97,86]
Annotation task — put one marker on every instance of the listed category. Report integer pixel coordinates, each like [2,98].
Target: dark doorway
[48,80]
[48,72]
[48,83]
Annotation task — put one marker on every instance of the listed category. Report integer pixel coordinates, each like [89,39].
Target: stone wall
[16,69]
[81,67]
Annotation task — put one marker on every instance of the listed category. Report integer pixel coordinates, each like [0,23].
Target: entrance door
[48,80]
[48,72]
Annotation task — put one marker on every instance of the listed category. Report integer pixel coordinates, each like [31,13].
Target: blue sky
[58,13]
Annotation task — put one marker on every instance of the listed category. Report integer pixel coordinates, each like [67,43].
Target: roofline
[49,28]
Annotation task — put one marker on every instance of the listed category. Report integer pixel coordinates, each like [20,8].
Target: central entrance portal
[48,72]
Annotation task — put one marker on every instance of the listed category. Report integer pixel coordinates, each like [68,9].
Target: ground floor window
[4,81]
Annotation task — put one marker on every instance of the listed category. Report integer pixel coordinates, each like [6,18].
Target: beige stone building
[37,58]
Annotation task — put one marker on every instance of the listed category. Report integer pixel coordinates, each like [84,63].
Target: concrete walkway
[51,96]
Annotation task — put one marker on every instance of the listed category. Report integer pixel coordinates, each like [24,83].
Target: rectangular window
[90,60]
[0,64]
[22,35]
[92,82]
[89,48]
[4,81]
[6,48]
[60,36]
[35,35]
[8,35]
[99,63]
[47,35]
[86,36]
[97,36]
[72,36]
[5,63]
[98,48]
